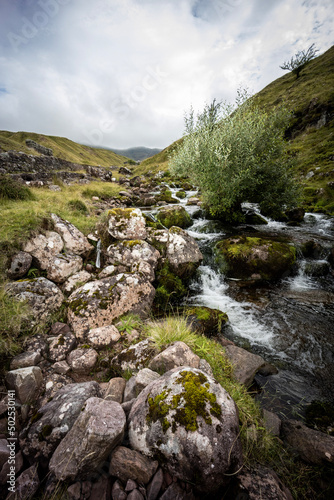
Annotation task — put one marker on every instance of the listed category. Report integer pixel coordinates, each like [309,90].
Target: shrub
[10,189]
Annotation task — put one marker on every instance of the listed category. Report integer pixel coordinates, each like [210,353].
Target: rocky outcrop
[191,423]
[27,382]
[39,148]
[99,302]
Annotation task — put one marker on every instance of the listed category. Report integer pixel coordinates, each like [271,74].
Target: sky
[123,73]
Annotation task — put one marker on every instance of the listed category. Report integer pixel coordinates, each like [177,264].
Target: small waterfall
[98,254]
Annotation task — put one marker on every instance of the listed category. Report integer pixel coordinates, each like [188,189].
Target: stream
[289,323]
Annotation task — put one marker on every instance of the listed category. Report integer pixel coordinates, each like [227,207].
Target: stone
[117,492]
[245,364]
[130,464]
[50,424]
[76,280]
[253,258]
[107,271]
[98,429]
[135,357]
[154,487]
[126,224]
[174,216]
[272,422]
[6,468]
[101,490]
[105,336]
[27,382]
[178,354]
[131,485]
[129,252]
[260,482]
[53,382]
[43,297]
[20,265]
[75,241]
[61,367]
[25,359]
[99,302]
[115,389]
[182,252]
[61,345]
[206,321]
[82,360]
[312,446]
[135,495]
[4,452]
[44,247]
[62,266]
[191,423]
[138,382]
[26,485]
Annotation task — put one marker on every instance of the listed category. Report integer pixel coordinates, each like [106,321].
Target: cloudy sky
[122,73]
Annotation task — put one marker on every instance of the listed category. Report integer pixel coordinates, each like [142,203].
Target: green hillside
[311,141]
[62,148]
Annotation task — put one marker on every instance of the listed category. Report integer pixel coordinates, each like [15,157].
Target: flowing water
[289,323]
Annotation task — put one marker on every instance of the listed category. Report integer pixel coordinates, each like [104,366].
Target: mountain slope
[137,153]
[62,148]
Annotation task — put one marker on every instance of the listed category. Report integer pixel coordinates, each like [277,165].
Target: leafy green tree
[237,154]
[298,62]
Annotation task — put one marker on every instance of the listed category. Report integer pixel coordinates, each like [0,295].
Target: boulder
[135,357]
[245,364]
[206,321]
[254,258]
[44,247]
[154,487]
[26,485]
[43,297]
[314,447]
[191,424]
[133,253]
[115,389]
[20,265]
[130,464]
[4,452]
[76,280]
[27,383]
[82,360]
[260,483]
[105,336]
[182,252]
[75,241]
[174,216]
[178,354]
[98,429]
[51,423]
[138,382]
[62,266]
[61,345]
[99,302]
[126,224]
[29,358]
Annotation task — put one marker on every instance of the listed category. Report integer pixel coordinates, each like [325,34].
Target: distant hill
[138,153]
[311,131]
[62,148]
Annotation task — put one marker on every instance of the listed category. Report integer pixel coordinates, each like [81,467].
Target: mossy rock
[251,258]
[174,216]
[169,289]
[205,320]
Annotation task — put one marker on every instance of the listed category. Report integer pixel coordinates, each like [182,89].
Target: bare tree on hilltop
[298,62]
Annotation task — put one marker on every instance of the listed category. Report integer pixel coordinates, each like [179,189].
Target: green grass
[62,148]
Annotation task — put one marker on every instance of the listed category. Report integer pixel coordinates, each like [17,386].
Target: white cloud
[120,73]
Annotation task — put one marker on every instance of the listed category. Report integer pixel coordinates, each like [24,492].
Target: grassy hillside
[311,140]
[137,153]
[62,148]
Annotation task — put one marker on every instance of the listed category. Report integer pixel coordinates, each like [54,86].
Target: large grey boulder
[312,446]
[138,382]
[62,266]
[99,302]
[53,420]
[97,431]
[189,422]
[44,247]
[126,224]
[75,241]
[27,382]
[135,255]
[182,252]
[43,297]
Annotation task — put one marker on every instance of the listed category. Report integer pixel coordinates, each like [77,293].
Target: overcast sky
[122,73]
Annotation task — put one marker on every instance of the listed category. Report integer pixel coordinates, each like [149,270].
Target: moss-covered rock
[205,320]
[169,288]
[254,258]
[174,216]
